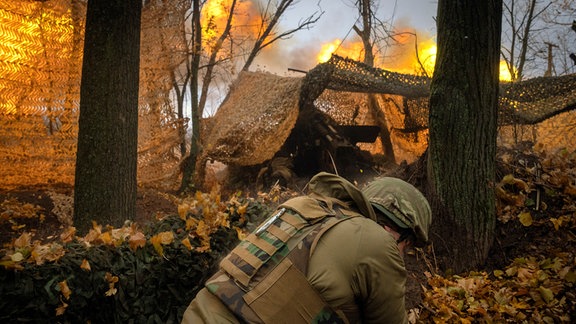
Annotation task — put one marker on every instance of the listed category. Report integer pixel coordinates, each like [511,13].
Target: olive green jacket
[356,267]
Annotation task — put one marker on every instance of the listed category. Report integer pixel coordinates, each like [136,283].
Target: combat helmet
[403,204]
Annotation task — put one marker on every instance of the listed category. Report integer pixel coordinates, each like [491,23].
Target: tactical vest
[263,279]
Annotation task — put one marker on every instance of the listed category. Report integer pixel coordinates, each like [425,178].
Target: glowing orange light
[427,56]
[327,50]
[505,74]
[246,19]
[353,50]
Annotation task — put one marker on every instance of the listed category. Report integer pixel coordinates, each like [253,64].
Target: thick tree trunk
[463,122]
[106,162]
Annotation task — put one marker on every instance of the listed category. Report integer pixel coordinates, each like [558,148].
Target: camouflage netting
[41,48]
[255,119]
[539,110]
[525,102]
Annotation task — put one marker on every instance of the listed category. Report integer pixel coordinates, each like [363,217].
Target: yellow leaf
[242,209]
[166,237]
[525,218]
[520,304]
[91,236]
[156,243]
[137,240]
[186,243]
[85,265]
[190,223]
[106,238]
[183,210]
[202,229]
[64,289]
[160,239]
[240,233]
[556,222]
[61,309]
[112,280]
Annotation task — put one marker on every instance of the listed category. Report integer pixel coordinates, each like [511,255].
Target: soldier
[334,255]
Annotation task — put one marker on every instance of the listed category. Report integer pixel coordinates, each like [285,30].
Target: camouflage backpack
[263,279]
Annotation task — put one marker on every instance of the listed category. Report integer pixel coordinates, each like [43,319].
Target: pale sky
[339,16]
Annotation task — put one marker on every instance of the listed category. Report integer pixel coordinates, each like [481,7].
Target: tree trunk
[106,161]
[189,163]
[463,125]
[365,11]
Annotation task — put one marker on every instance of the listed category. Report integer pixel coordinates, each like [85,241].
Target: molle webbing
[271,246]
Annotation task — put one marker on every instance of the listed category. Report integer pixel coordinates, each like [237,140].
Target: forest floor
[536,216]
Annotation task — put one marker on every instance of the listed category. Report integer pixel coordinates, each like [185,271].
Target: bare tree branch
[269,22]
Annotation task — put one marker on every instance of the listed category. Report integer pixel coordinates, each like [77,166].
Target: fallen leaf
[155,241]
[112,280]
[546,294]
[64,289]
[556,222]
[17,257]
[242,209]
[85,265]
[106,238]
[183,210]
[166,237]
[23,240]
[61,309]
[160,239]
[570,277]
[525,218]
[186,243]
[570,189]
[68,234]
[137,240]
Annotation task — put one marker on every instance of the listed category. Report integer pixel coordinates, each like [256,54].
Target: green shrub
[123,284]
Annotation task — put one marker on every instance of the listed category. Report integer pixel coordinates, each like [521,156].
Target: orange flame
[215,15]
[354,50]
[401,59]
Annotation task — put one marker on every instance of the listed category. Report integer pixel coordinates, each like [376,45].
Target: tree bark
[106,160]
[189,163]
[463,125]
[365,33]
